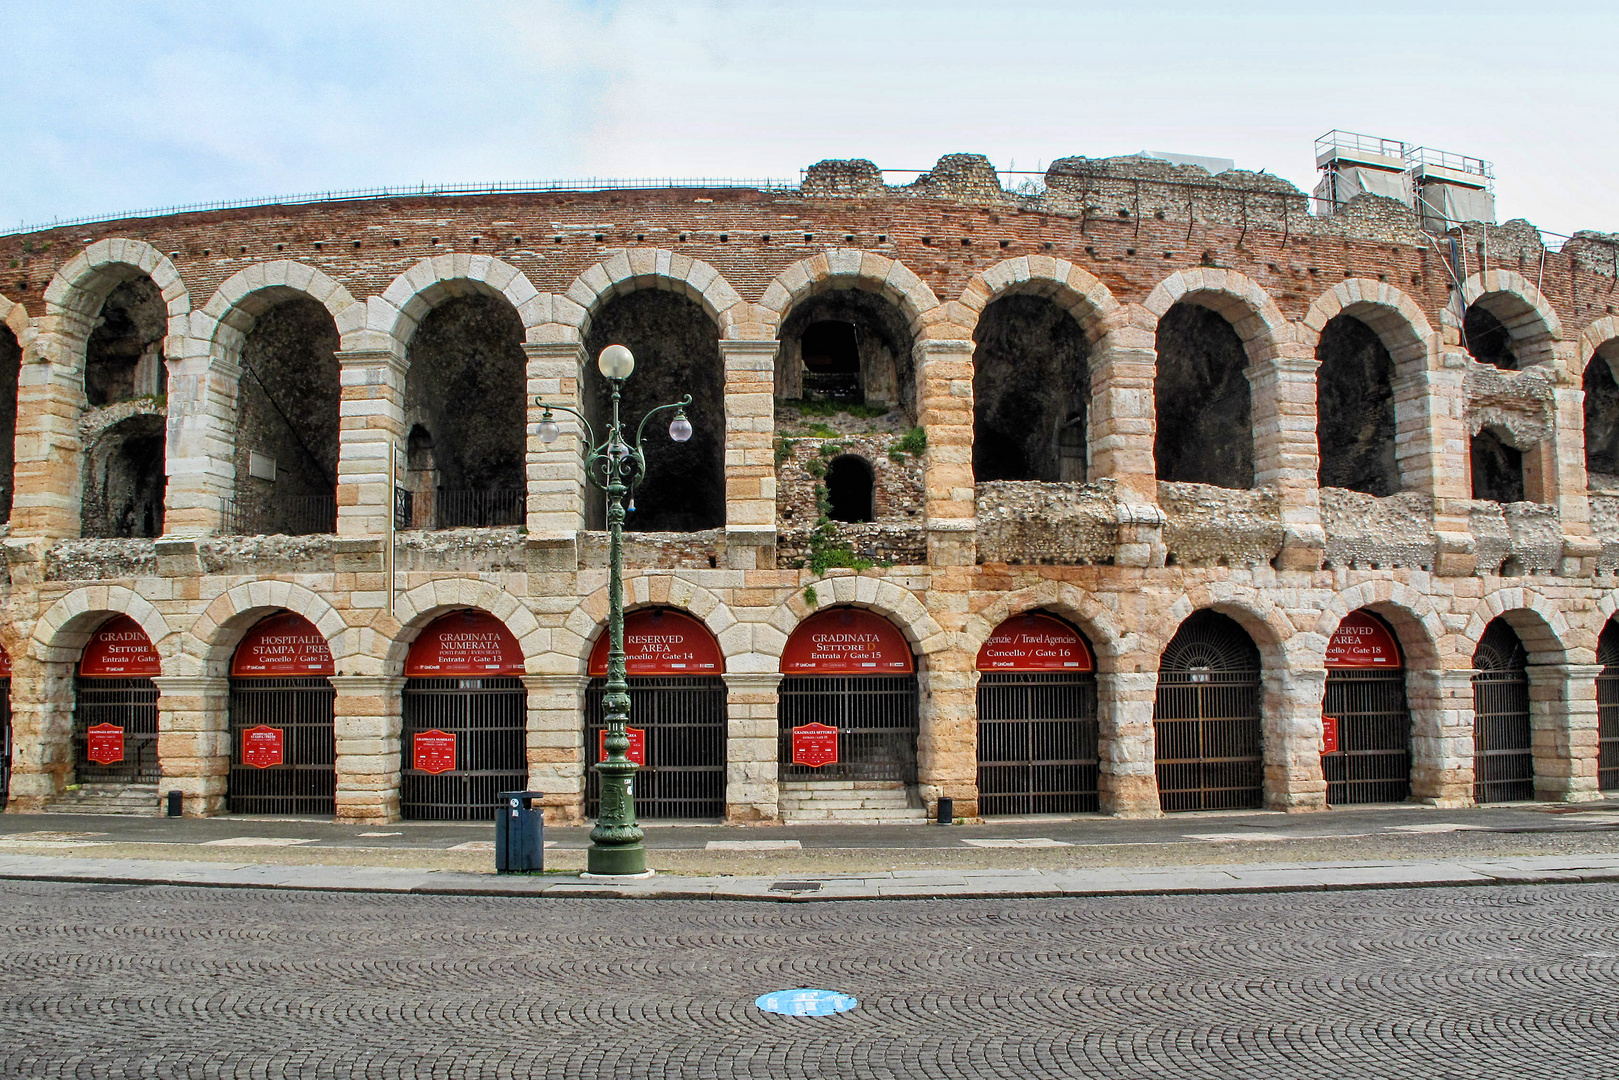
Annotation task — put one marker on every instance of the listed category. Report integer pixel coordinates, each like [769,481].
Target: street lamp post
[616,466]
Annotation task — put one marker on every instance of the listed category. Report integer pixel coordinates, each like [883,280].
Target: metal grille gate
[127,703]
[489,718]
[685,724]
[877,721]
[1206,722]
[1503,763]
[306,780]
[1037,743]
[5,741]
[1373,763]
[1608,709]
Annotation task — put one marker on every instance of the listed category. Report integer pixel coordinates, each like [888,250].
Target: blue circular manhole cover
[805,1002]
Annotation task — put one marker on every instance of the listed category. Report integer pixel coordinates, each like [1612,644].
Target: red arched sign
[1362,641]
[5,664]
[464,643]
[119,650]
[658,641]
[1035,642]
[280,646]
[847,641]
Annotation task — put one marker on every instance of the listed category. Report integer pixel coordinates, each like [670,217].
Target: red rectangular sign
[104,744]
[1329,734]
[637,750]
[433,751]
[263,747]
[815,745]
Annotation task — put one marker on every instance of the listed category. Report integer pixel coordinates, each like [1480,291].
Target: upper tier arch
[1522,308]
[392,318]
[228,317]
[76,292]
[631,269]
[1392,315]
[1081,294]
[1236,297]
[852,268]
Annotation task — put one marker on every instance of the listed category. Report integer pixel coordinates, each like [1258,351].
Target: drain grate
[796,886]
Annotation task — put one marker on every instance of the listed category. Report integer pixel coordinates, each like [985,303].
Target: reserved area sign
[433,751]
[815,745]
[637,747]
[120,649]
[464,643]
[283,645]
[847,641]
[659,641]
[263,747]
[104,744]
[1362,641]
[1035,642]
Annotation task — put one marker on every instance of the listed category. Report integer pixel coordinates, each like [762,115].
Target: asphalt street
[126,981]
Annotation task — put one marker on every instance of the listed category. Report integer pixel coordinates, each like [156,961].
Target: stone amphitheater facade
[1122,553]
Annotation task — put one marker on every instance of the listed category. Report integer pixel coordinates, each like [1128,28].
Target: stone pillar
[193,741]
[750,463]
[1564,482]
[1123,421]
[752,793]
[1563,714]
[371,426]
[1128,776]
[1450,482]
[1441,736]
[201,440]
[50,400]
[947,744]
[1286,450]
[369,721]
[556,744]
[556,473]
[944,382]
[1292,739]
[41,732]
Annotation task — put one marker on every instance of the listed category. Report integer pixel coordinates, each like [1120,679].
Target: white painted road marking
[258,841]
[1019,842]
[754,845]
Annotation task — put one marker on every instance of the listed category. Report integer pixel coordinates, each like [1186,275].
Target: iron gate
[1373,762]
[1608,710]
[489,718]
[1037,743]
[127,703]
[306,780]
[1206,722]
[5,741]
[876,717]
[1503,762]
[685,724]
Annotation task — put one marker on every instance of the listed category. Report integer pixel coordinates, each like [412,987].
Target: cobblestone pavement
[116,981]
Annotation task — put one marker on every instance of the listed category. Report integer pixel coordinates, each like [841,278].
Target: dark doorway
[685,723]
[10,367]
[816,342]
[831,352]
[1355,409]
[1031,392]
[850,488]
[489,718]
[1608,709]
[305,781]
[123,358]
[1601,424]
[1503,760]
[1204,412]
[1206,718]
[1496,468]
[124,480]
[1487,340]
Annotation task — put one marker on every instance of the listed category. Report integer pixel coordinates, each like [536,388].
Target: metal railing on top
[288,515]
[452,508]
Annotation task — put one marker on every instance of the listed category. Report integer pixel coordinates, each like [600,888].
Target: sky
[114,106]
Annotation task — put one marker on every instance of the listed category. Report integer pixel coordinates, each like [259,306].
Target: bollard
[947,811]
[519,833]
[176,803]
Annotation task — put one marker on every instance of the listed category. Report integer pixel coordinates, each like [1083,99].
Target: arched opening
[1601,425]
[466,388]
[465,712]
[1037,720]
[848,714]
[5,727]
[1487,339]
[1031,392]
[1495,467]
[1204,408]
[1366,720]
[1206,719]
[677,352]
[124,479]
[287,424]
[115,713]
[816,340]
[283,742]
[850,489]
[1608,709]
[1355,409]
[1503,759]
[10,367]
[123,357]
[677,722]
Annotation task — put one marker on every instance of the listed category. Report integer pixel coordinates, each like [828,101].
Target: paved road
[115,981]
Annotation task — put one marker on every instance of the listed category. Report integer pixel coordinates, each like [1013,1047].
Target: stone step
[854,817]
[131,799]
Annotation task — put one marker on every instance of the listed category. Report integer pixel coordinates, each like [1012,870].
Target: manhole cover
[796,886]
[805,1002]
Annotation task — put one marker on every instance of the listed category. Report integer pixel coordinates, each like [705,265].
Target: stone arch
[61,633]
[17,320]
[1281,646]
[1527,315]
[1601,338]
[1235,297]
[391,319]
[1114,645]
[421,605]
[572,641]
[212,639]
[1538,621]
[865,270]
[1081,294]
[1421,633]
[228,317]
[633,269]
[79,288]
[1392,315]
[900,606]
